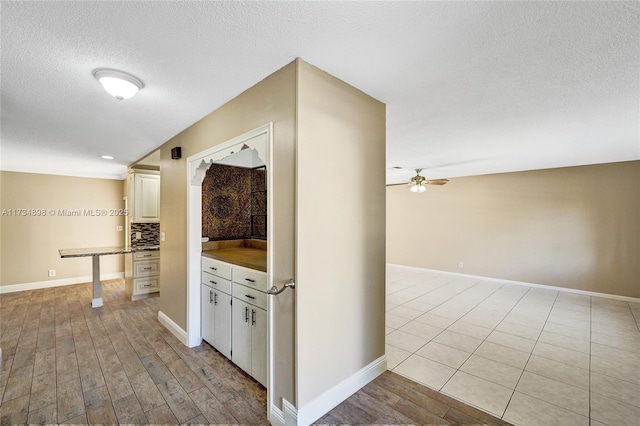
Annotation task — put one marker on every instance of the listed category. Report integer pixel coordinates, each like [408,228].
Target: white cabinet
[142,274]
[146,197]
[216,319]
[234,314]
[216,306]
[249,336]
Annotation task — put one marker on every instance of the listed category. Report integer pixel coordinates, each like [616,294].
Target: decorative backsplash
[150,234]
[230,206]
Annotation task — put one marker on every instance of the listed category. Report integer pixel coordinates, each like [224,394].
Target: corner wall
[575,227]
[340,255]
[271,100]
[29,244]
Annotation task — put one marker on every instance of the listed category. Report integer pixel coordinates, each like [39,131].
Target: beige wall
[340,240]
[29,245]
[271,100]
[576,227]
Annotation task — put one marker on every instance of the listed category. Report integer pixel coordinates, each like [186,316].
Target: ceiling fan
[419,183]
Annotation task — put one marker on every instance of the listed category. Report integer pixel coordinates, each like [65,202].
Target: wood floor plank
[46,415]
[178,400]
[127,407]
[70,400]
[418,414]
[214,411]
[45,362]
[15,411]
[18,383]
[43,391]
[187,378]
[67,368]
[118,384]
[161,415]
[146,391]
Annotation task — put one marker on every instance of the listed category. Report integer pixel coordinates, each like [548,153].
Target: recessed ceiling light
[107,157]
[118,84]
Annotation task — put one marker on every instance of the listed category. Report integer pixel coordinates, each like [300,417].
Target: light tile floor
[530,356]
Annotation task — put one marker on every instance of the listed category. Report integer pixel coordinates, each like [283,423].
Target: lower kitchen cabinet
[249,336]
[234,314]
[142,274]
[216,319]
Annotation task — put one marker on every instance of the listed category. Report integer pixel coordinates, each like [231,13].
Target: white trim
[194,226]
[290,413]
[526,284]
[276,417]
[324,403]
[174,328]
[12,288]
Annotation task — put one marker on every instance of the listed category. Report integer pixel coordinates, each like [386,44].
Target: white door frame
[194,230]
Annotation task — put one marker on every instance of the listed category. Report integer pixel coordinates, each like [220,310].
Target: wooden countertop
[242,256]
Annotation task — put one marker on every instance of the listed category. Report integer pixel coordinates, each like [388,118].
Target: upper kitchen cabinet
[146,197]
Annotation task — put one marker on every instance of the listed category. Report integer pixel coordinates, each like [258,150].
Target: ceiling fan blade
[396,184]
[437,181]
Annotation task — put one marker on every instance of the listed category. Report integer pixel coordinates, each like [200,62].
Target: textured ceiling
[470,87]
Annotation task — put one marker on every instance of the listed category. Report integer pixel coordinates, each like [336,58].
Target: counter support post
[97,289]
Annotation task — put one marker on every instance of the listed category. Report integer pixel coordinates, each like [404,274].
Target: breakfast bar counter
[95,253]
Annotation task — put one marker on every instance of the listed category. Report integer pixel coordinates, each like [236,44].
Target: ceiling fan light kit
[419,183]
[119,84]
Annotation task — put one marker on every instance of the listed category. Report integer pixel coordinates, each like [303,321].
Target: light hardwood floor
[64,362]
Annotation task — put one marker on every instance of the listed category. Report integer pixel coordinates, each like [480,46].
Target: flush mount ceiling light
[118,84]
[107,157]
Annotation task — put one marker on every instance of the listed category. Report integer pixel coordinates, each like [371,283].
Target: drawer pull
[148,268]
[146,255]
[211,267]
[250,297]
[250,280]
[146,285]
[213,282]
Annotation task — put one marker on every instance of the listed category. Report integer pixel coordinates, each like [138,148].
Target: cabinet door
[146,198]
[259,345]
[241,334]
[222,323]
[208,314]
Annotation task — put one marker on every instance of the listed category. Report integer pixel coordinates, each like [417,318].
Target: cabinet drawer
[146,268]
[144,255]
[250,295]
[216,282]
[146,285]
[250,278]
[216,267]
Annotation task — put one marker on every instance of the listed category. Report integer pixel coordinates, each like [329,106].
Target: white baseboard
[276,417]
[12,288]
[290,413]
[174,328]
[324,403]
[526,284]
